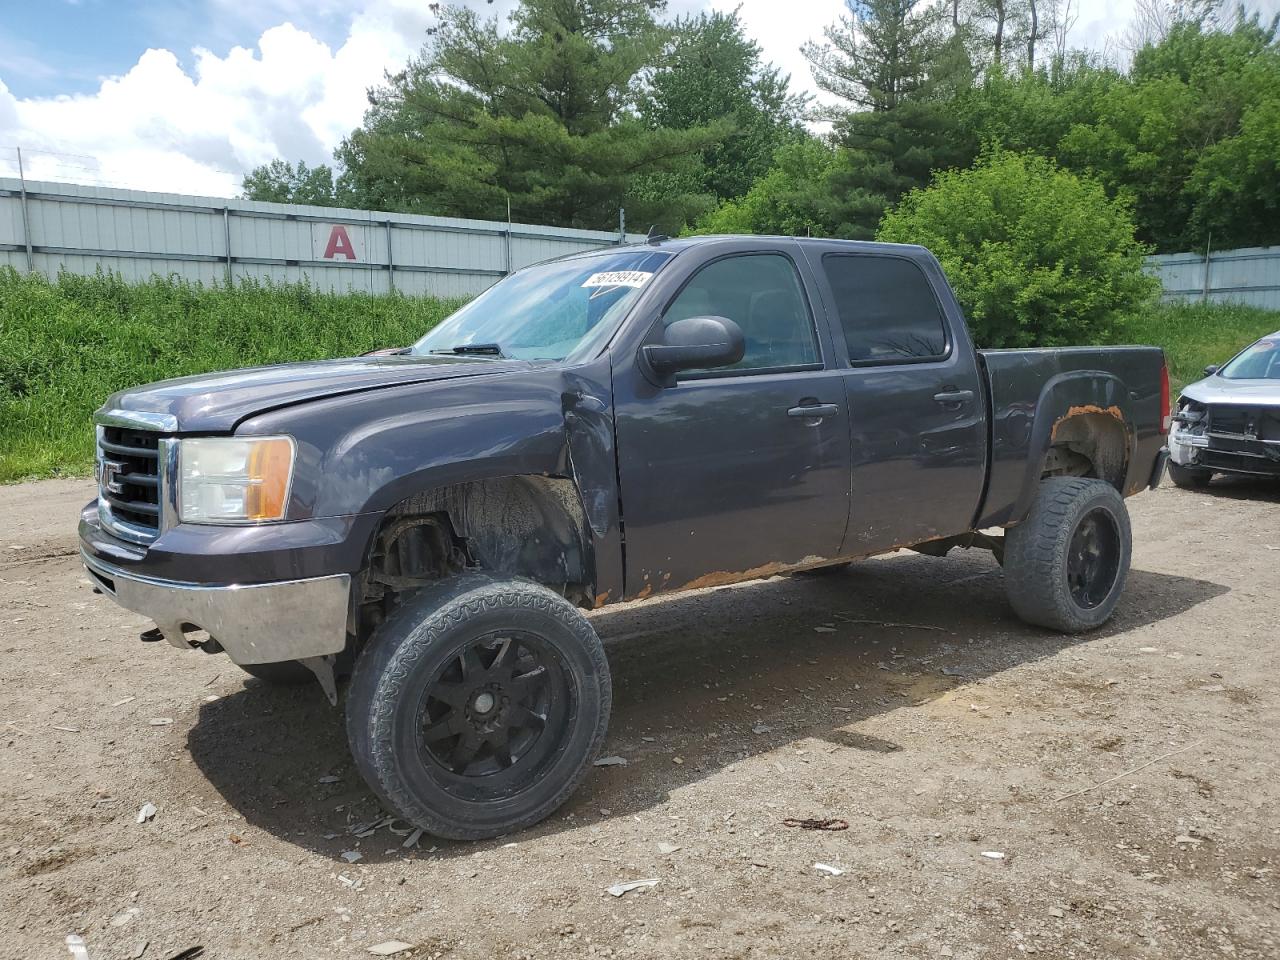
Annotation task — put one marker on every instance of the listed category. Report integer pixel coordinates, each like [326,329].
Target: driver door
[735,472]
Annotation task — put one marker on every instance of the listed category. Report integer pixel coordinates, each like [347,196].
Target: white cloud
[162,127]
[159,127]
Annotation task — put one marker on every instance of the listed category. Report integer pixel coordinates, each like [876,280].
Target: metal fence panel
[1250,275]
[139,234]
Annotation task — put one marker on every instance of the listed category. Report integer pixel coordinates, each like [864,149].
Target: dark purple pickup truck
[609,426]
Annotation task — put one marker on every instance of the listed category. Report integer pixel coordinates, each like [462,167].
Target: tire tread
[387,661]
[1036,548]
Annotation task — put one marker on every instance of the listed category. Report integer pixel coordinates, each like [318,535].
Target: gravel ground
[1127,778]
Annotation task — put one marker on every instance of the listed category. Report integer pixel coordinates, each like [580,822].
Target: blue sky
[52,47]
[188,95]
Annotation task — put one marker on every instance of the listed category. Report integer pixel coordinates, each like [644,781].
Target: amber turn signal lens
[270,467]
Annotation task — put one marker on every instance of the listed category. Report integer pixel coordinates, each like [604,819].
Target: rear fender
[1063,399]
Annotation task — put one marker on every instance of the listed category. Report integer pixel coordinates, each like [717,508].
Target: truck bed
[1029,391]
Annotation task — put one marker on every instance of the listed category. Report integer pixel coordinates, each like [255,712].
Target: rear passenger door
[917,425]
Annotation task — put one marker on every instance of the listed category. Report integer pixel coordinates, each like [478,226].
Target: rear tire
[1066,564]
[1189,478]
[477,708]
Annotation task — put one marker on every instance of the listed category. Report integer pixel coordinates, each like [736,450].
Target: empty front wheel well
[532,527]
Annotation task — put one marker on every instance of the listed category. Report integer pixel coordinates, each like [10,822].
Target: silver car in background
[1229,422]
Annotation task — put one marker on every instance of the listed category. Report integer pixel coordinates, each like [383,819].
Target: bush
[1037,256]
[66,345]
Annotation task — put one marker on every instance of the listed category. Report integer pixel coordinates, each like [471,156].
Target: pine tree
[880,53]
[714,74]
[542,113]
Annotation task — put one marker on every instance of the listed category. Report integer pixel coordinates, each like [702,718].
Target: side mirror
[1210,370]
[694,343]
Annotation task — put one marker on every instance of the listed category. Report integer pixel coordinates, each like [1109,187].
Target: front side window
[887,308]
[761,293]
[548,311]
[1258,362]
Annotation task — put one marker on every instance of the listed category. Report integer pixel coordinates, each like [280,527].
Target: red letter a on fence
[339,243]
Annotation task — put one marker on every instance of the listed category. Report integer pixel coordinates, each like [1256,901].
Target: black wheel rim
[1093,558]
[494,717]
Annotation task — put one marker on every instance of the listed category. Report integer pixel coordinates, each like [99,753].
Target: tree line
[572,109]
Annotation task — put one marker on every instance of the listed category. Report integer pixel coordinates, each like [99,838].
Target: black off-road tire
[1044,556]
[287,673]
[1189,478]
[415,677]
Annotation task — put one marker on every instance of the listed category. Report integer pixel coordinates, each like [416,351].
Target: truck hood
[216,402]
[1215,389]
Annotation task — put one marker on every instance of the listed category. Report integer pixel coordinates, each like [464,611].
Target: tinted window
[761,293]
[886,307]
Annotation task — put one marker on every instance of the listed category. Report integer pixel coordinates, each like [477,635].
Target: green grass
[1194,335]
[66,345]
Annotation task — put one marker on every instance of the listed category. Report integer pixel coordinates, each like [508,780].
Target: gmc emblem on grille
[109,474]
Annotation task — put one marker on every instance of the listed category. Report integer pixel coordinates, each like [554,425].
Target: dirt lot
[941,728]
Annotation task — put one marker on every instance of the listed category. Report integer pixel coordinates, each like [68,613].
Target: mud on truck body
[610,426]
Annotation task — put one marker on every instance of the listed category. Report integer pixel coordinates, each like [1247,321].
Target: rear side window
[886,307]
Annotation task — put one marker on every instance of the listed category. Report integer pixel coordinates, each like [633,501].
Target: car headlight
[234,479]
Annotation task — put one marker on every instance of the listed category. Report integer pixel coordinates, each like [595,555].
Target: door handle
[953,397]
[814,411]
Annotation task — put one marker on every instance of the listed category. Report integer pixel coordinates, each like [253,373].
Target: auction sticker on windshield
[618,278]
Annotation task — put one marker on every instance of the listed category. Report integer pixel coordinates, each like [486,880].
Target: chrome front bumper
[254,623]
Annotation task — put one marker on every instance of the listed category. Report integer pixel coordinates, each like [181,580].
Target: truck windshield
[548,311]
[1258,362]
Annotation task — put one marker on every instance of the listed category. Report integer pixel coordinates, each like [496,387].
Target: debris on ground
[146,813]
[329,779]
[993,854]
[351,856]
[611,762]
[389,948]
[125,917]
[824,629]
[828,869]
[412,840]
[666,849]
[832,823]
[123,700]
[762,728]
[160,721]
[618,889]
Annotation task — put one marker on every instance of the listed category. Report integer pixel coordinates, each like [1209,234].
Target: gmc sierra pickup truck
[610,426]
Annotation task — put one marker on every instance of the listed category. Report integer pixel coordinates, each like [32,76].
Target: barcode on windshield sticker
[618,278]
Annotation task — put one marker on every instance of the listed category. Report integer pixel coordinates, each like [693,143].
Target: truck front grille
[129,482]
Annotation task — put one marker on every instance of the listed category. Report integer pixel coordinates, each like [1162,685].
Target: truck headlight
[234,479]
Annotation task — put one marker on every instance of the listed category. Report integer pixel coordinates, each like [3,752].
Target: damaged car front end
[1229,422]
